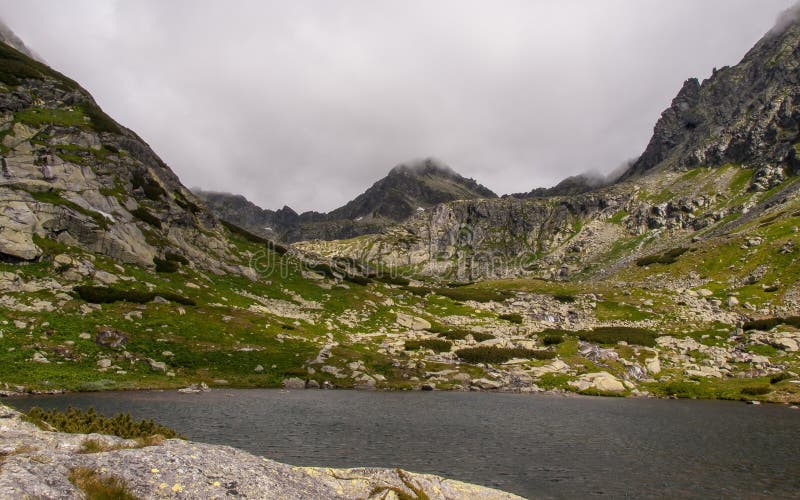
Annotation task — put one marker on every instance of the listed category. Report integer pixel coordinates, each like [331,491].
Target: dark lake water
[532,445]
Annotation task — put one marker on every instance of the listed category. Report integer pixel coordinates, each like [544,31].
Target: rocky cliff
[406,190]
[39,464]
[724,153]
[73,176]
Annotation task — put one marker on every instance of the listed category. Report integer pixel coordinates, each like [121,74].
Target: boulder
[412,322]
[294,384]
[653,365]
[110,338]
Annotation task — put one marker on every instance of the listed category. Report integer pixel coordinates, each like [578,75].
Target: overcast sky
[307,103]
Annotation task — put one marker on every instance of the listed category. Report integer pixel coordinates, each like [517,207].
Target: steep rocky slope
[72,175]
[723,154]
[406,190]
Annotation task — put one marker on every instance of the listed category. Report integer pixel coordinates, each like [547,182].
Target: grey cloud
[308,103]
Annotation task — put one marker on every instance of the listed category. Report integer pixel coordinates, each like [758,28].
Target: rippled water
[535,446]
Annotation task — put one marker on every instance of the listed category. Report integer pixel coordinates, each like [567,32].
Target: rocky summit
[44,464]
[408,189]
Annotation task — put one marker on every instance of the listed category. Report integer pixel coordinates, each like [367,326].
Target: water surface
[532,445]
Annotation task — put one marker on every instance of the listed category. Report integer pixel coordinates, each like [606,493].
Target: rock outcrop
[37,464]
[405,191]
[72,175]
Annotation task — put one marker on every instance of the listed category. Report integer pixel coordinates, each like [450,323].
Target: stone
[732,301]
[486,384]
[293,384]
[258,369]
[104,363]
[157,366]
[412,322]
[312,384]
[39,358]
[110,338]
[704,292]
[601,381]
[653,365]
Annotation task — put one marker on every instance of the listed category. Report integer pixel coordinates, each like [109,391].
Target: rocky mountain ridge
[406,190]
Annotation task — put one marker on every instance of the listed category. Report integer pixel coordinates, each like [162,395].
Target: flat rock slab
[37,464]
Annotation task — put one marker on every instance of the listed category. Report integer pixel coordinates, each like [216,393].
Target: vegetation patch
[77,421]
[770,323]
[461,334]
[152,189]
[564,298]
[144,215]
[615,334]
[107,295]
[491,354]
[668,257]
[463,294]
[756,390]
[96,486]
[513,318]
[435,345]
[420,291]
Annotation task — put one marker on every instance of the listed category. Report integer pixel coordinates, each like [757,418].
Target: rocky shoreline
[38,464]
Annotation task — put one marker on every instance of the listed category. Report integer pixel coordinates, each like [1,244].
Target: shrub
[770,323]
[756,390]
[101,122]
[614,334]
[552,339]
[513,317]
[668,257]
[175,257]
[165,266]
[152,189]
[420,291]
[491,354]
[391,280]
[77,421]
[359,280]
[435,345]
[107,295]
[460,334]
[779,377]
[144,215]
[564,298]
[463,294]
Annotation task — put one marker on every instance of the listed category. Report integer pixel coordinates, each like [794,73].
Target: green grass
[99,486]
[37,117]
[465,293]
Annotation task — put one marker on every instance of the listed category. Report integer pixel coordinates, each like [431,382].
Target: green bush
[513,317]
[436,345]
[756,390]
[779,377]
[491,354]
[460,334]
[99,486]
[101,122]
[391,280]
[164,265]
[668,257]
[564,298]
[107,295]
[77,421]
[144,215]
[614,334]
[152,189]
[463,294]
[770,323]
[420,291]
[552,339]
[175,257]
